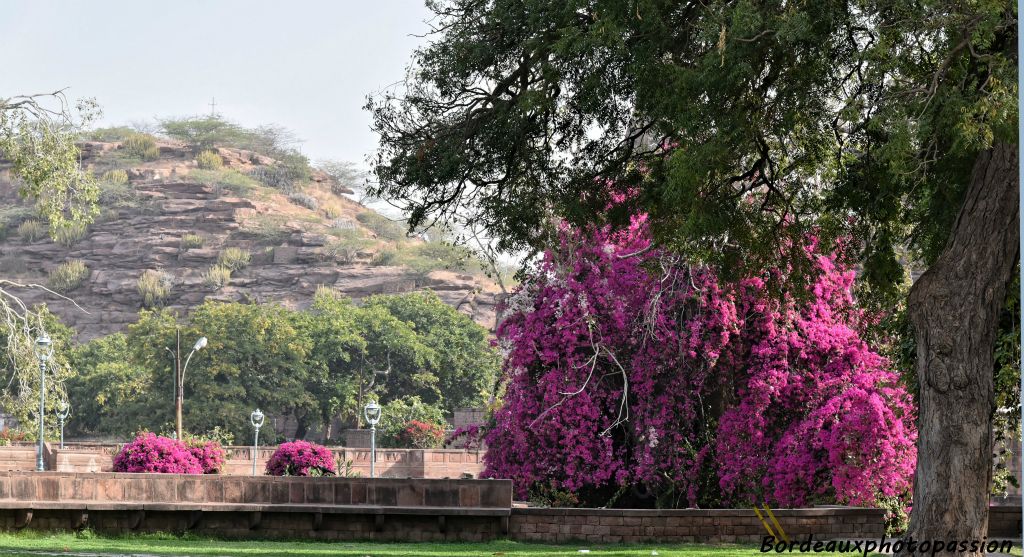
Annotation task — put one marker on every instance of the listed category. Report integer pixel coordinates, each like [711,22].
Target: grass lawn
[35,543]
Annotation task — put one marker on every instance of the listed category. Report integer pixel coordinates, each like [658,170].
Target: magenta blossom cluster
[209,455]
[301,458]
[155,454]
[629,372]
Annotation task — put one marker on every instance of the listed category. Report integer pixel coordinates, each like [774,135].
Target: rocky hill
[174,234]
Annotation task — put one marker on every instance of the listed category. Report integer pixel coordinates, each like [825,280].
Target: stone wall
[688,525]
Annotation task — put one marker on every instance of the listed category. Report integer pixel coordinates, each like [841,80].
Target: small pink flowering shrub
[209,454]
[633,378]
[151,453]
[301,458]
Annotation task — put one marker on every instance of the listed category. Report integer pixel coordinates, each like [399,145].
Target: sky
[304,65]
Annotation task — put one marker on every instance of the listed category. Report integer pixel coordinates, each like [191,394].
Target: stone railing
[391,463]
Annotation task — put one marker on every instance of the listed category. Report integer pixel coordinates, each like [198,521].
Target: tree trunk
[954,308]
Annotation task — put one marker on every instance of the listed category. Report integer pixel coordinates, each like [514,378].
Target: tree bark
[954,308]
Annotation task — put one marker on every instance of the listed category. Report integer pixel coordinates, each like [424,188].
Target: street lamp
[44,351]
[256,419]
[179,376]
[63,411]
[372,414]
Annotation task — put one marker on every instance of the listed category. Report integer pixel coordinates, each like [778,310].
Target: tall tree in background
[741,127]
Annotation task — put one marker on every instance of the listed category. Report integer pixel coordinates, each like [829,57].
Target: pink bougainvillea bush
[149,452]
[418,434]
[301,458]
[634,378]
[209,454]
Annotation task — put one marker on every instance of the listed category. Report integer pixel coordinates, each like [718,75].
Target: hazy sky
[305,65]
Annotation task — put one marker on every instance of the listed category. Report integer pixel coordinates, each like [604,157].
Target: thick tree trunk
[954,308]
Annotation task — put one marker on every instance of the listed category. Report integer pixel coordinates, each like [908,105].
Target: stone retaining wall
[688,525]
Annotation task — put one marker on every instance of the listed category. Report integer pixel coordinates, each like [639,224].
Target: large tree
[738,127]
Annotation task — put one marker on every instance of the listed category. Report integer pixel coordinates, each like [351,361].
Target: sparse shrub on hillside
[347,245]
[234,259]
[31,230]
[68,276]
[154,287]
[303,199]
[217,277]
[141,146]
[430,256]
[190,241]
[343,224]
[113,194]
[382,226]
[225,179]
[385,257]
[71,234]
[116,176]
[345,174]
[207,132]
[208,160]
[116,133]
[332,211]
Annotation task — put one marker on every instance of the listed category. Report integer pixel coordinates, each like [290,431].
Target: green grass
[167,544]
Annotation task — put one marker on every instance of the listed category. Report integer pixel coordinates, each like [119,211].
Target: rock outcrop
[291,246]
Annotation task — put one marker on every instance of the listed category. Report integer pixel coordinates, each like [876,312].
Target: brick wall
[687,525]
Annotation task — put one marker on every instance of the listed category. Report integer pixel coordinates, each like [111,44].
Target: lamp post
[179,376]
[256,419]
[44,350]
[63,411]
[372,414]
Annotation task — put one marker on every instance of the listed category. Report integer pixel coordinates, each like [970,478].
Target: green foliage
[288,174]
[190,241]
[68,276]
[332,211]
[217,277]
[399,412]
[209,160]
[234,259]
[38,140]
[460,353]
[345,175]
[31,230]
[316,365]
[141,146]
[71,234]
[382,226]
[19,394]
[154,287]
[207,132]
[116,176]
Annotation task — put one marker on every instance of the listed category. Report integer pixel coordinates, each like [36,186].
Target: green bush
[68,276]
[303,199]
[217,277]
[234,259]
[31,230]
[382,226]
[225,179]
[116,176]
[396,414]
[189,241]
[347,245]
[154,287]
[208,160]
[71,234]
[141,146]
